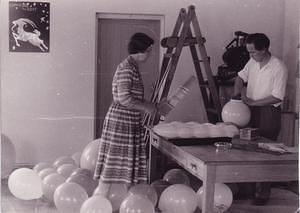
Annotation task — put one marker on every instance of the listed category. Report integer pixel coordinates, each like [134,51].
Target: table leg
[208,189]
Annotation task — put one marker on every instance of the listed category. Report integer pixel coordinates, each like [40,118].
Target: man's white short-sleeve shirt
[262,82]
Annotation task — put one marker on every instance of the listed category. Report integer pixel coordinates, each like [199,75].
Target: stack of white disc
[185,131]
[201,131]
[216,131]
[192,129]
[231,130]
[166,130]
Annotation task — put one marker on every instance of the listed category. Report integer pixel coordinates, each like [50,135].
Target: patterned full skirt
[122,150]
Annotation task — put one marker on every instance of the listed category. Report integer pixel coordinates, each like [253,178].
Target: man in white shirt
[266,78]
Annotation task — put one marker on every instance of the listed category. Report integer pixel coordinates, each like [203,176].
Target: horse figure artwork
[20,34]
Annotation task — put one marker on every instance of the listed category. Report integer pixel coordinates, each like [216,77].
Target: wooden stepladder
[187,33]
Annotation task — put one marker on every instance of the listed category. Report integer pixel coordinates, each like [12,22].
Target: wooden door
[112,39]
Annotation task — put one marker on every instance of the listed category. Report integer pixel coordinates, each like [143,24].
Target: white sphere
[235,111]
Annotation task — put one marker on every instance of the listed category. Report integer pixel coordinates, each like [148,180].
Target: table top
[208,154]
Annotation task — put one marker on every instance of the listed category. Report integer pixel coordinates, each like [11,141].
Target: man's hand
[248,101]
[261,102]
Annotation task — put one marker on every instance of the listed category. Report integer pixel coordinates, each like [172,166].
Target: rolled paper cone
[178,95]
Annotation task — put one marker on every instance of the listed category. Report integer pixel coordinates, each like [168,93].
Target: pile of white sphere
[192,129]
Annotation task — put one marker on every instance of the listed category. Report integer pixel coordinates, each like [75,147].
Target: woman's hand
[163,107]
[150,108]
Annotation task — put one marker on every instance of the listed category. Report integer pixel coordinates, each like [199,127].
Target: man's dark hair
[259,40]
[139,43]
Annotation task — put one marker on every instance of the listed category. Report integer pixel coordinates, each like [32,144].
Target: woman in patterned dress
[122,151]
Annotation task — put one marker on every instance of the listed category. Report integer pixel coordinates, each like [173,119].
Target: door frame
[157,17]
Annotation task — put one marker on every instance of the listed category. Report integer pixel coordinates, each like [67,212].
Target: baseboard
[23,165]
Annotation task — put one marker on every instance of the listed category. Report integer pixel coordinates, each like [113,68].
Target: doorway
[113,34]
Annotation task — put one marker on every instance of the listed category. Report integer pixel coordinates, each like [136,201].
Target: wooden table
[223,167]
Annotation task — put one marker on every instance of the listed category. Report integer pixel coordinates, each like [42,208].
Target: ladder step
[173,40]
[206,60]
[203,60]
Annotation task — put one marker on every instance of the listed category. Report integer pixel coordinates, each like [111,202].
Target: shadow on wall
[8,156]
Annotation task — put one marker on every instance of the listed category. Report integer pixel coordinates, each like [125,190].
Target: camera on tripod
[235,57]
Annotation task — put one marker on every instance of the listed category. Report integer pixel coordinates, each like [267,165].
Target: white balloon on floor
[86,182]
[177,176]
[63,160]
[82,171]
[50,184]
[47,171]
[89,156]
[222,197]
[145,190]
[68,197]
[76,157]
[25,184]
[178,198]
[115,193]
[160,185]
[96,204]
[66,169]
[42,165]
[136,203]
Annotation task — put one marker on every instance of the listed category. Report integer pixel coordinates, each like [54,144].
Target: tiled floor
[282,201]
[11,204]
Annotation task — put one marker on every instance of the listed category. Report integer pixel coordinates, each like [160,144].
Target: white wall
[291,53]
[48,99]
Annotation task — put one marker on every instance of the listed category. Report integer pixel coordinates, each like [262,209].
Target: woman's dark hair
[139,43]
[259,40]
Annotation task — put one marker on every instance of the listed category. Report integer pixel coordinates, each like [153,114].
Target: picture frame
[29,26]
